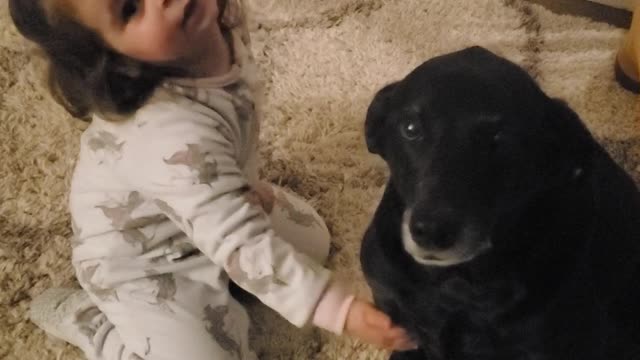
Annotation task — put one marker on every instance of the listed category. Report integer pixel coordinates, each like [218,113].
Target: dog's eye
[411,129]
[497,138]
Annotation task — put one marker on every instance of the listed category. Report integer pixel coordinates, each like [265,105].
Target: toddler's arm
[181,159]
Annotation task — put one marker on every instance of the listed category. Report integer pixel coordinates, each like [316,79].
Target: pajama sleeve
[182,161]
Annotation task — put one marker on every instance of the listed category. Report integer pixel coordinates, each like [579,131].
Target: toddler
[165,200]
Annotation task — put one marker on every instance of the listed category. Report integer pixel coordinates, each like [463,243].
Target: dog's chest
[468,318]
[451,313]
[455,319]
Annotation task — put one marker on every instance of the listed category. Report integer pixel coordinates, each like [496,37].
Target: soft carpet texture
[322,62]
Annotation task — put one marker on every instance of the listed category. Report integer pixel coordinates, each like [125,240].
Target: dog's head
[470,137]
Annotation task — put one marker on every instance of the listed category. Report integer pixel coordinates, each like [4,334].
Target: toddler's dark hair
[85,75]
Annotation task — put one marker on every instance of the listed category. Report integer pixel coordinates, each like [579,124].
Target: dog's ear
[374,124]
[572,146]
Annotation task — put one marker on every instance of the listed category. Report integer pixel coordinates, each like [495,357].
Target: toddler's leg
[163,317]
[70,315]
[295,221]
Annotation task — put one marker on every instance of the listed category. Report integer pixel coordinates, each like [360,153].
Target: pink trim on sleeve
[333,307]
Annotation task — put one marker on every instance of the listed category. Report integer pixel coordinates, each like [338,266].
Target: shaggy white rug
[323,61]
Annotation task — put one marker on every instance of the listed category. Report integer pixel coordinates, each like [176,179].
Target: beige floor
[322,62]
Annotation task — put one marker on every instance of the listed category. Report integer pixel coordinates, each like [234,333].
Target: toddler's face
[155,31]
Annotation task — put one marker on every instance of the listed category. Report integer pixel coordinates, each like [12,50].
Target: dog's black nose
[430,231]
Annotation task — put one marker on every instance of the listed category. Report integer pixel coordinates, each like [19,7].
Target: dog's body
[505,232]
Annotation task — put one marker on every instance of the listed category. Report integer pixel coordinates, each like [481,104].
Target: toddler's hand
[262,194]
[370,325]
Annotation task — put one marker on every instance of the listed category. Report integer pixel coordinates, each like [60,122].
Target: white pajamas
[167,207]
[186,313]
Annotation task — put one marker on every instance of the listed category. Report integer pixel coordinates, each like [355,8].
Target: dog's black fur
[483,157]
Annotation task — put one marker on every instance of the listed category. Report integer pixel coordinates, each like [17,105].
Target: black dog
[505,231]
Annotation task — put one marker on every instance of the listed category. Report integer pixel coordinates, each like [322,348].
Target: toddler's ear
[375,122]
[127,67]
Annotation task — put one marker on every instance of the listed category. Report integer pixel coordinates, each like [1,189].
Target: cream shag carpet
[323,61]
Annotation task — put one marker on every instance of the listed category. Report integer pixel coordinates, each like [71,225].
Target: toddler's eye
[411,129]
[130,9]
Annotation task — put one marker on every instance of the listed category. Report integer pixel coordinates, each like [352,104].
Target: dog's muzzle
[462,248]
